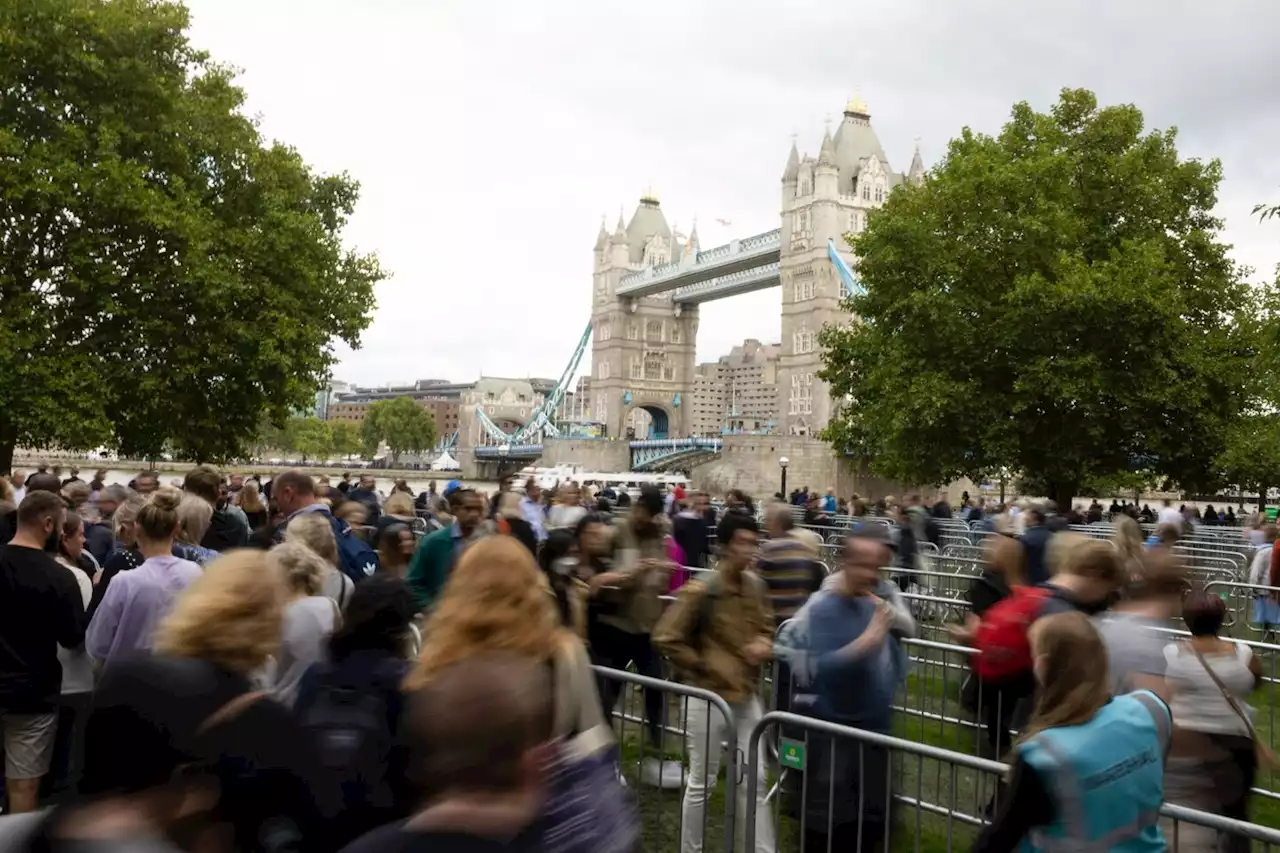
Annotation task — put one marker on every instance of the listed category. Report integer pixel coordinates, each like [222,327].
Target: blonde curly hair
[495,601]
[303,569]
[231,616]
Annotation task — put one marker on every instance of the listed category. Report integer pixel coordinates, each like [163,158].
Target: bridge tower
[823,198]
[642,349]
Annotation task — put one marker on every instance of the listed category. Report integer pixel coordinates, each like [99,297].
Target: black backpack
[355,740]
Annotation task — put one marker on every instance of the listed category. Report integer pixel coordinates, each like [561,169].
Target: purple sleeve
[106,621]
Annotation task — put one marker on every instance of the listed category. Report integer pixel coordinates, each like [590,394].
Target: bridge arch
[662,419]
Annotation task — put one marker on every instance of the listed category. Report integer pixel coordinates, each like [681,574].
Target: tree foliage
[401,423]
[344,438]
[167,277]
[309,437]
[1054,300]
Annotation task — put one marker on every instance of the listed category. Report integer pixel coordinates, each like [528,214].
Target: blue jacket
[1106,778]
[1035,542]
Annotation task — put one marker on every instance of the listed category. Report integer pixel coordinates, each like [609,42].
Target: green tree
[1250,459]
[345,438]
[1054,300]
[401,423]
[309,437]
[167,277]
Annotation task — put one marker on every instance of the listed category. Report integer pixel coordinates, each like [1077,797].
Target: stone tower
[823,198]
[642,350]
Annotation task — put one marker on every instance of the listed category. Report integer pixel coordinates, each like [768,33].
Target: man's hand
[758,651]
[873,637]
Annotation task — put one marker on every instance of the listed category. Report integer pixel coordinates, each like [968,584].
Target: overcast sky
[489,137]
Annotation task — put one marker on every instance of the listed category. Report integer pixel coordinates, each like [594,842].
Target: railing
[765,275]
[953,804]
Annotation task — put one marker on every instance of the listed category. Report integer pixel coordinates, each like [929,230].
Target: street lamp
[504,450]
[783,463]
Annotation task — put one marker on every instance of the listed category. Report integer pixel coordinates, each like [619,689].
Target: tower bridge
[648,283]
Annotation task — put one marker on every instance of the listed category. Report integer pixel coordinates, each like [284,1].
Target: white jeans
[706,730]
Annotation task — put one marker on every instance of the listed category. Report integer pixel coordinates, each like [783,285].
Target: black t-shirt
[394,838]
[986,591]
[40,609]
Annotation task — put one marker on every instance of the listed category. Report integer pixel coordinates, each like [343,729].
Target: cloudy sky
[490,135]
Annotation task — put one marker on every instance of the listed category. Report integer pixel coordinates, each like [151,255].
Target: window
[879,193]
[635,368]
[633,332]
[652,369]
[604,370]
[669,373]
[675,334]
[803,341]
[605,332]
[866,192]
[653,331]
[803,290]
[800,221]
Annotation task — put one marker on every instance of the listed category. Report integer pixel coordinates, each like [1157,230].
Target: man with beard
[40,609]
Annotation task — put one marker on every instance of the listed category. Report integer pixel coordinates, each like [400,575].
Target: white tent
[445,463]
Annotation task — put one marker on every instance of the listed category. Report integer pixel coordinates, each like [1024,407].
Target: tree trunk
[1262,496]
[1063,494]
[6,456]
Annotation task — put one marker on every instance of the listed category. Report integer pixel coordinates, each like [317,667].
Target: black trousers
[614,648]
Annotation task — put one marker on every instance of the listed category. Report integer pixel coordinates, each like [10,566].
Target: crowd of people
[237,663]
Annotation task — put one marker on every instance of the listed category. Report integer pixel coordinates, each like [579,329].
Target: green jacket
[429,568]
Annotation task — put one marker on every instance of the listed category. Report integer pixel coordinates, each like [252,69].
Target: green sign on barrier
[791,753]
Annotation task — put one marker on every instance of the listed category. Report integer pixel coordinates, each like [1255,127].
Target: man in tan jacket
[717,634]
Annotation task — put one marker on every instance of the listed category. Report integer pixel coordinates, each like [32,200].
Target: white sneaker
[667,775]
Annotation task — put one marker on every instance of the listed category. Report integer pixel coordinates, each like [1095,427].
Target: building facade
[738,393]
[642,352]
[824,198]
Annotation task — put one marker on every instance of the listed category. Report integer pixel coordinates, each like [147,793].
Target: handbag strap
[231,710]
[1226,694]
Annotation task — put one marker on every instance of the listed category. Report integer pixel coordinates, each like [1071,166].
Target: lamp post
[504,450]
[783,463]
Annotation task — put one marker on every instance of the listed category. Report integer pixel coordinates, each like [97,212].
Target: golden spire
[857,106]
[649,196]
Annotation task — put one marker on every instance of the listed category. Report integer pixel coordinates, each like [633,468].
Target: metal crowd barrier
[937,816]
[635,780]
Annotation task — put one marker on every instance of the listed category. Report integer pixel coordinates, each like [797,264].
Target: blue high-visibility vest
[1106,778]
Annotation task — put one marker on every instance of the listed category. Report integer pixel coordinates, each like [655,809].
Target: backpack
[356,557]
[354,742]
[1004,647]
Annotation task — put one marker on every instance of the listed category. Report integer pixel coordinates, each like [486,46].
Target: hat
[452,486]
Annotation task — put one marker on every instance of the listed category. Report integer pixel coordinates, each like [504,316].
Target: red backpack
[1004,647]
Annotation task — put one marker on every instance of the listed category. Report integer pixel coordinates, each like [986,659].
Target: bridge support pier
[605,455]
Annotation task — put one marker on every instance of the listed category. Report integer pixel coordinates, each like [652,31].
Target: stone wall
[751,463]
[600,454]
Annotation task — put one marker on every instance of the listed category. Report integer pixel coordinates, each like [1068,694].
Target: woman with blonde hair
[255,511]
[310,617]
[195,514]
[125,554]
[313,530]
[192,708]
[1130,545]
[1088,769]
[137,600]
[496,601]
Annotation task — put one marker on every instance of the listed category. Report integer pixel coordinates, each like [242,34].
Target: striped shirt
[792,572]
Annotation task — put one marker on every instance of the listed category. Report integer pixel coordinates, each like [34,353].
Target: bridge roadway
[739,266]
